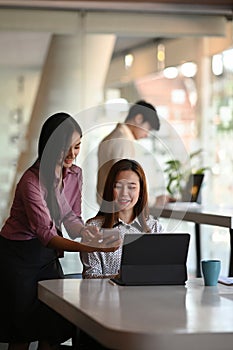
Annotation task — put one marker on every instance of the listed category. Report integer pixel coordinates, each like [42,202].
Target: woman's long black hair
[53,145]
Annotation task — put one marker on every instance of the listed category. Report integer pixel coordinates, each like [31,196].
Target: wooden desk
[146,318]
[199,214]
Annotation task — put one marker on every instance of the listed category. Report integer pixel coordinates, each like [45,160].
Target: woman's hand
[89,233]
[111,239]
[107,240]
[98,243]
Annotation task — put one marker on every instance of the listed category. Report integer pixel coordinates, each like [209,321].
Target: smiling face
[126,190]
[73,150]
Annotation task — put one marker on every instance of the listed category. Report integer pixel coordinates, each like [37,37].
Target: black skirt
[23,318]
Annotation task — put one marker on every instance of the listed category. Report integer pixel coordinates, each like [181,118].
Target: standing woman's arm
[71,204]
[61,243]
[40,225]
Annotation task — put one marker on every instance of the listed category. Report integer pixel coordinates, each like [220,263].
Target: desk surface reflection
[148,317]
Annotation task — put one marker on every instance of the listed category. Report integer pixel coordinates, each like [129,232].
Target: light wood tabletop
[148,317]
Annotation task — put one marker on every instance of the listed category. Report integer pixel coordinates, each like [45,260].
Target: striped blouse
[105,265]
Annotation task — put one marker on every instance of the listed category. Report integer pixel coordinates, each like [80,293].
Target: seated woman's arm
[91,265]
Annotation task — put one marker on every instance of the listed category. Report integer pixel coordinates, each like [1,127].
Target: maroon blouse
[30,218]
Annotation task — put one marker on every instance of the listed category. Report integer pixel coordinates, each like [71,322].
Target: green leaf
[201,170]
[196,153]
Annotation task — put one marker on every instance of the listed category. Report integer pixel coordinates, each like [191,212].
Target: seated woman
[125,206]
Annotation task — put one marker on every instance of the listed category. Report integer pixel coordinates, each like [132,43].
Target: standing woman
[47,195]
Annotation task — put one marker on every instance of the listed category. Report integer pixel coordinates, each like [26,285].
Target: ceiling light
[227,59]
[188,69]
[161,52]
[160,56]
[128,60]
[217,64]
[170,72]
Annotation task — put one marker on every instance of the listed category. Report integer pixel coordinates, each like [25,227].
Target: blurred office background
[93,60]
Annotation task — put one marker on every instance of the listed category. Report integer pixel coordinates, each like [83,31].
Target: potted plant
[184,182]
